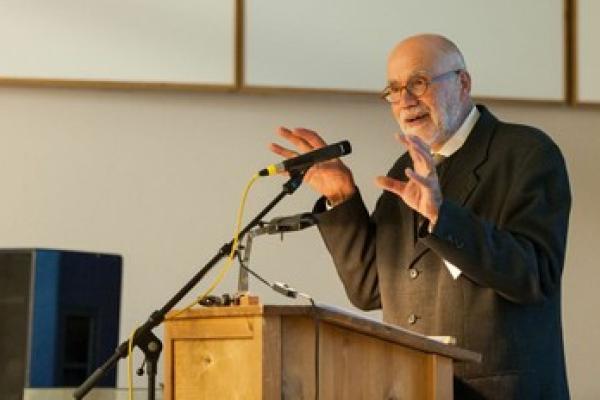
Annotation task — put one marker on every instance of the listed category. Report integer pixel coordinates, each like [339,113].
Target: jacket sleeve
[349,235]
[521,256]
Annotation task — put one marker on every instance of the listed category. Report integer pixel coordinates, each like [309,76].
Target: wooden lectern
[301,352]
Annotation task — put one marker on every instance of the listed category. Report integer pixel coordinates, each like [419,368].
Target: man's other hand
[422,191]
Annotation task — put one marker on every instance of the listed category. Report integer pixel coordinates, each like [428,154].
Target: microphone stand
[144,338]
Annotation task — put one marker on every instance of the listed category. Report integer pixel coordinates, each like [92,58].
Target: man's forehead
[401,69]
[396,79]
[402,65]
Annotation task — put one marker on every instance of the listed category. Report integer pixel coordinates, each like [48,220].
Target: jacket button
[412,318]
[413,273]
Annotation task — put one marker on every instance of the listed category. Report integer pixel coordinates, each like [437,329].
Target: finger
[401,138]
[422,158]
[311,137]
[282,151]
[297,140]
[391,185]
[410,140]
[422,181]
[420,147]
[417,141]
[418,159]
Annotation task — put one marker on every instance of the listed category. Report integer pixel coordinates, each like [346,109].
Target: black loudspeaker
[59,313]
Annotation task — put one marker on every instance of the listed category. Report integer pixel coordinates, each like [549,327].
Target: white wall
[157,176]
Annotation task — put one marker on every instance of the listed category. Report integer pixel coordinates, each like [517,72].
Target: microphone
[307,160]
[290,224]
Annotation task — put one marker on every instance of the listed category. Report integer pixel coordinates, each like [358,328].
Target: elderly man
[467,239]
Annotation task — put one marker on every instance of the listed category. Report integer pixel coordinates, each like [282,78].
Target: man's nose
[406,99]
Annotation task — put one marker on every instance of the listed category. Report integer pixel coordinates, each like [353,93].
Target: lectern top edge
[342,318]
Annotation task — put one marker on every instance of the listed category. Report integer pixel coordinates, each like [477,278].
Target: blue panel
[43,354]
[76,305]
[92,289]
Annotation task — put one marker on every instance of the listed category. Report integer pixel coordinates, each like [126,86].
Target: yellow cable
[130,364]
[229,261]
[234,247]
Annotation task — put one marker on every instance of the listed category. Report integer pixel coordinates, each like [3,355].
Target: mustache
[414,112]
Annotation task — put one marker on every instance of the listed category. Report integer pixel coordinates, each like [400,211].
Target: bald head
[427,52]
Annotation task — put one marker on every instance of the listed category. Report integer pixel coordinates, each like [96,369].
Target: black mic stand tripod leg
[158,316]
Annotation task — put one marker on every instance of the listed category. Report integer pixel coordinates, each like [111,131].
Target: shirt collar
[460,136]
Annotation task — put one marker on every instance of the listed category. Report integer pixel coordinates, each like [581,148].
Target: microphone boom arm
[140,338]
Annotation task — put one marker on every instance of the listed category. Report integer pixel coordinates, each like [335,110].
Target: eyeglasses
[416,86]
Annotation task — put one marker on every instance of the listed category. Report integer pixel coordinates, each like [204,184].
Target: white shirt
[450,147]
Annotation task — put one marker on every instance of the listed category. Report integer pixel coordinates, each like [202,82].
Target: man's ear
[465,82]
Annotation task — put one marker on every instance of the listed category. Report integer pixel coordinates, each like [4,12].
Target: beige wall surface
[157,177]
